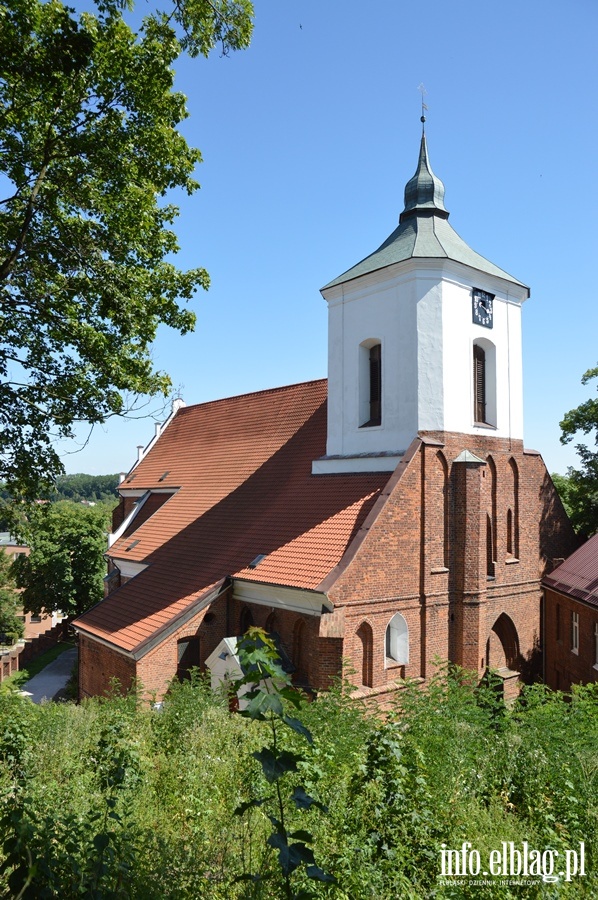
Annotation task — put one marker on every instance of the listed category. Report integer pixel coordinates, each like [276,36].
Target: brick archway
[502,647]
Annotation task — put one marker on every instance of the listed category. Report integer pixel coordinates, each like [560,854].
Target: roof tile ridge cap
[272,390]
[417,238]
[349,555]
[435,220]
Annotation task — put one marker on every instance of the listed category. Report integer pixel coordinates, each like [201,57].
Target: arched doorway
[502,647]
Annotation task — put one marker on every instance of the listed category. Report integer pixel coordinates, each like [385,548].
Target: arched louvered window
[370,383]
[375,385]
[479,384]
[397,640]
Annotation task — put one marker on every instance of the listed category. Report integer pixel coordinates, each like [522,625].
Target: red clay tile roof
[243,469]
[578,575]
[150,506]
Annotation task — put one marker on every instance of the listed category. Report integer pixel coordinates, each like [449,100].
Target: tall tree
[11,627]
[582,483]
[65,567]
[89,149]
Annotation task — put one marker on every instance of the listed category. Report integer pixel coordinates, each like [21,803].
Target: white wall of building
[420,311]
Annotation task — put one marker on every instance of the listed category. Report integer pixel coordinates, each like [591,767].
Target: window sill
[575,650]
[511,560]
[485,425]
[439,570]
[393,664]
[595,666]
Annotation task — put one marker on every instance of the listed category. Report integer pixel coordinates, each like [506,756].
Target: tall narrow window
[479,384]
[489,553]
[574,632]
[370,382]
[364,633]
[558,622]
[596,643]
[187,656]
[397,640]
[246,620]
[510,532]
[375,385]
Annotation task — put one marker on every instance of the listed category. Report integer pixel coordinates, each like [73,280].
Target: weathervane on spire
[423,92]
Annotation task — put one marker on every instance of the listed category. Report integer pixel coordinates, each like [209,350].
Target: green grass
[36,665]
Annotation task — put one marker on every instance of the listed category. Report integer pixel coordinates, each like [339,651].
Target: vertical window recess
[574,632]
[479,384]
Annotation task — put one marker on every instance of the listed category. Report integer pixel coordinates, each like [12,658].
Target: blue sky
[308,139]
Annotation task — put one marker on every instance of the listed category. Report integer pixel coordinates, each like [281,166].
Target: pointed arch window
[397,640]
[246,620]
[365,635]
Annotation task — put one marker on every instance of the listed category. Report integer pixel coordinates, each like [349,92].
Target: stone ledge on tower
[356,464]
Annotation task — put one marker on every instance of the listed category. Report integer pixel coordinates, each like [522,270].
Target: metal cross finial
[423,92]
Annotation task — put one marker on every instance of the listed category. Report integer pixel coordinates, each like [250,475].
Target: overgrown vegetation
[114,799]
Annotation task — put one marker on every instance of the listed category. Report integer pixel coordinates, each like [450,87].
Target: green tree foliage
[65,567]
[87,487]
[90,151]
[114,799]
[581,490]
[10,602]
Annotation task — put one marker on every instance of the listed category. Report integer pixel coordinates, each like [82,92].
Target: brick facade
[457,548]
[567,664]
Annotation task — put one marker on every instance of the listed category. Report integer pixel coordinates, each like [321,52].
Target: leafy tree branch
[89,147]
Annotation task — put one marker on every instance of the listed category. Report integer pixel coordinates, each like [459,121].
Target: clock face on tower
[481,310]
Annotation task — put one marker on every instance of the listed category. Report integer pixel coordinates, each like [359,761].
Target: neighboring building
[390,517]
[34,625]
[571,619]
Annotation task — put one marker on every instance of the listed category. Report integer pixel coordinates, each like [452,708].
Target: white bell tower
[424,335]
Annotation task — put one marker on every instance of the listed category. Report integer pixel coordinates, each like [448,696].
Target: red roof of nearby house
[578,575]
[241,468]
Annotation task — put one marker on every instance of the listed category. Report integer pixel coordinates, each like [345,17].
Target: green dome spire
[424,191]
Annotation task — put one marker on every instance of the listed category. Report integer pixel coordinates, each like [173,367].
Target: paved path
[47,683]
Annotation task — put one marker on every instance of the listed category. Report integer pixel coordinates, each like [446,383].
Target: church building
[375,523]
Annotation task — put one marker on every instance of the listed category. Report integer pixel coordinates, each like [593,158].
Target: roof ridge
[272,390]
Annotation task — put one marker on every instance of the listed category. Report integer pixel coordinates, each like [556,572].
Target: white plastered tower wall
[385,310]
[421,313]
[414,296]
[503,350]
